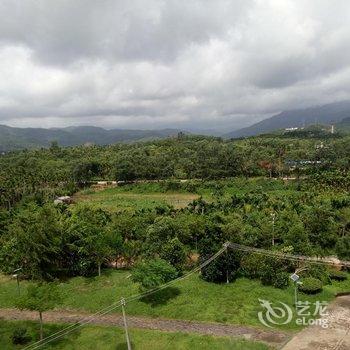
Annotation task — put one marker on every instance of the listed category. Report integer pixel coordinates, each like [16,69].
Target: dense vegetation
[289,194]
[45,172]
[307,216]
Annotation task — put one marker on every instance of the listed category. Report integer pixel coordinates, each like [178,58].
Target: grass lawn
[123,198]
[190,299]
[98,337]
[148,195]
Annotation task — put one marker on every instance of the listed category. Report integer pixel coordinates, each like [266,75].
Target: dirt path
[335,337]
[275,338]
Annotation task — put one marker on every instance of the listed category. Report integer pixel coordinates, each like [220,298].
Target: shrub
[269,270]
[174,252]
[220,270]
[251,265]
[20,336]
[190,186]
[171,185]
[274,277]
[281,280]
[163,209]
[317,271]
[153,273]
[342,247]
[311,285]
[337,275]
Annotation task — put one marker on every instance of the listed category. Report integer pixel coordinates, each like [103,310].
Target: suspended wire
[108,309]
[73,327]
[234,246]
[186,275]
[287,256]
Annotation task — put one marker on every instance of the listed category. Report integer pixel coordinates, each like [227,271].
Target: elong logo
[274,315]
[282,313]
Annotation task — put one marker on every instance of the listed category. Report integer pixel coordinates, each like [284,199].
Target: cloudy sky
[175,63]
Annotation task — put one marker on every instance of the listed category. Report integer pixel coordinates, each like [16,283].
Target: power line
[72,327]
[186,275]
[286,256]
[234,246]
[108,309]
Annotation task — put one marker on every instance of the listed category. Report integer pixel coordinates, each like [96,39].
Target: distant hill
[20,138]
[326,114]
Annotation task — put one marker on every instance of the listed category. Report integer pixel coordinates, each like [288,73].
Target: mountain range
[20,138]
[332,113]
[337,113]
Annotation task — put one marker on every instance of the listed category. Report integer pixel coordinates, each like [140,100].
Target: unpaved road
[335,337]
[271,337]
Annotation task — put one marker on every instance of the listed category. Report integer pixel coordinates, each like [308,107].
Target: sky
[191,64]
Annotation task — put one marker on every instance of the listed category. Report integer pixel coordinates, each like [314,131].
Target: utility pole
[227,280]
[296,280]
[226,246]
[16,275]
[273,216]
[296,294]
[125,324]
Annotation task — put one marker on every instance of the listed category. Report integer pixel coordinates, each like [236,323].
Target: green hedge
[337,275]
[310,285]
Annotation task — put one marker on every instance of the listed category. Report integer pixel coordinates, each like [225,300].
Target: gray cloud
[169,63]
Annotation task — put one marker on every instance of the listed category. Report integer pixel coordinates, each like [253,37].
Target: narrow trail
[272,337]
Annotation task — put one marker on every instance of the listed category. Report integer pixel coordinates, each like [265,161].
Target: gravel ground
[271,337]
[335,337]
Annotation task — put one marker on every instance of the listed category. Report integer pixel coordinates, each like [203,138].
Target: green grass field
[122,198]
[190,299]
[148,195]
[98,337]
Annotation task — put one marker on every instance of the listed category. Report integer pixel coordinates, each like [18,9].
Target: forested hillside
[61,170]
[31,138]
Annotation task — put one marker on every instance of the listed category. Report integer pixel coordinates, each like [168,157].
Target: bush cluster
[311,285]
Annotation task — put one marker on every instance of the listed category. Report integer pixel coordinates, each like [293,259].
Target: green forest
[169,205]
[275,193]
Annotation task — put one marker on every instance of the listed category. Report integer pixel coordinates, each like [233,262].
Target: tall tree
[40,297]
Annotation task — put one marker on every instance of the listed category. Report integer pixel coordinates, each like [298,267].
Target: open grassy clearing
[101,337]
[117,199]
[148,195]
[190,299]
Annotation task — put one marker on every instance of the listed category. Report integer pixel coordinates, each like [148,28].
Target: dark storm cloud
[63,31]
[169,63]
